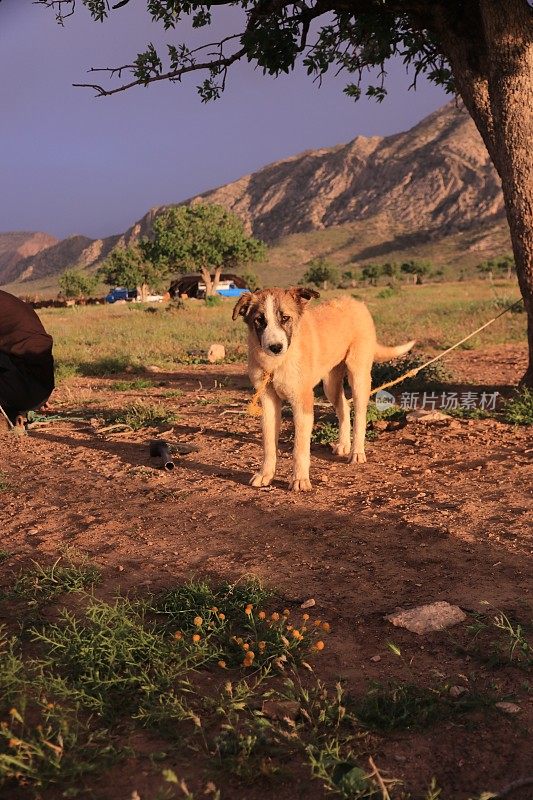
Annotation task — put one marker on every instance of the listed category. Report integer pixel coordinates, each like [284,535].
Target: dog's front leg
[302,409]
[271,418]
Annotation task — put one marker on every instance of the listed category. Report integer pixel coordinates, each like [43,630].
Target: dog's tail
[384,353]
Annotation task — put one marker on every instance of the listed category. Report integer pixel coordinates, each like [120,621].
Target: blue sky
[71,163]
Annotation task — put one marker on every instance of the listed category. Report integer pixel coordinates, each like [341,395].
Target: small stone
[508,708]
[324,478]
[375,658]
[120,568]
[309,603]
[427,417]
[380,425]
[217,352]
[33,531]
[428,618]
[152,368]
[457,691]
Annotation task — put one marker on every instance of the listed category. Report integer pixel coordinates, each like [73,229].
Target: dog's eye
[285,319]
[259,321]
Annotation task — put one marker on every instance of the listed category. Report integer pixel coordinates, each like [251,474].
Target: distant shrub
[321,272]
[213,300]
[388,291]
[251,280]
[435,374]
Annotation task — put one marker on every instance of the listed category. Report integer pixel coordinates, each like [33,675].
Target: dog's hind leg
[271,420]
[359,365]
[334,391]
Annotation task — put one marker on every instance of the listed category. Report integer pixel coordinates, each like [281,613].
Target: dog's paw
[341,449]
[358,458]
[260,479]
[300,485]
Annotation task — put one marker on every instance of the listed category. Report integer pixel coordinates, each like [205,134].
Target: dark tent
[188,284]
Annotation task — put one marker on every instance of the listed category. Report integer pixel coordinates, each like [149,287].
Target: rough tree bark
[211,284]
[509,37]
[491,55]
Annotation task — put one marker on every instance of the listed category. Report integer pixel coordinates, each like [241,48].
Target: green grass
[4,483]
[107,340]
[499,641]
[326,433]
[519,409]
[45,582]
[131,386]
[407,706]
[141,415]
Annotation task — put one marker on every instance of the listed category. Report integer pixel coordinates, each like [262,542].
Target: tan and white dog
[298,347]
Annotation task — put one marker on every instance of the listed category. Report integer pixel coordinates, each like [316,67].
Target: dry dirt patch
[438,514]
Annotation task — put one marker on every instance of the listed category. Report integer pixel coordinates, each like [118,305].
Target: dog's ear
[241,306]
[302,294]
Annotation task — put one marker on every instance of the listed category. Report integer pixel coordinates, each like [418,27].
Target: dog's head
[273,315]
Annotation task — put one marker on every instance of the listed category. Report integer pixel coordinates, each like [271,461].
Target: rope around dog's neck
[254,407]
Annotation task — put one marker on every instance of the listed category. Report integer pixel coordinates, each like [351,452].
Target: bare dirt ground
[438,513]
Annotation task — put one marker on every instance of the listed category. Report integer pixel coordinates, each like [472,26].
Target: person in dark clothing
[26,360]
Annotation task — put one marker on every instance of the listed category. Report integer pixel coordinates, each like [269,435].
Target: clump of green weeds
[327,433]
[498,640]
[468,413]
[340,771]
[407,706]
[141,415]
[4,483]
[131,386]
[519,409]
[42,742]
[65,370]
[45,582]
[432,375]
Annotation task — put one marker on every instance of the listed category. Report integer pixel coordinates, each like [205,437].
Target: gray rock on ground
[425,619]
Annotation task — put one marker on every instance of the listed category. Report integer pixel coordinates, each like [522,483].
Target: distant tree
[349,277]
[415,268]
[128,267]
[487,269]
[321,273]
[389,270]
[201,238]
[74,283]
[251,279]
[507,265]
[371,273]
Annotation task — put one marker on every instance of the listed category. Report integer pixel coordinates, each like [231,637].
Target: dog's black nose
[276,348]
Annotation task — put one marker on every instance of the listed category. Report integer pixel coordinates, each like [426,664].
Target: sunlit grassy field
[105,340]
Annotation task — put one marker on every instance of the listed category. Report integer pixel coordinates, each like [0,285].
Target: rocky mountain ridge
[433,180]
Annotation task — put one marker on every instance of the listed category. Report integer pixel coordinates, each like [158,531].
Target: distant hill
[15,247]
[431,189]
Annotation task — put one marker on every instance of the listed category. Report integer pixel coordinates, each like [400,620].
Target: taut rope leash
[254,407]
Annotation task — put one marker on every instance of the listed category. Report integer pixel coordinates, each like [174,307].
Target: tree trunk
[206,275]
[509,35]
[216,279]
[490,51]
